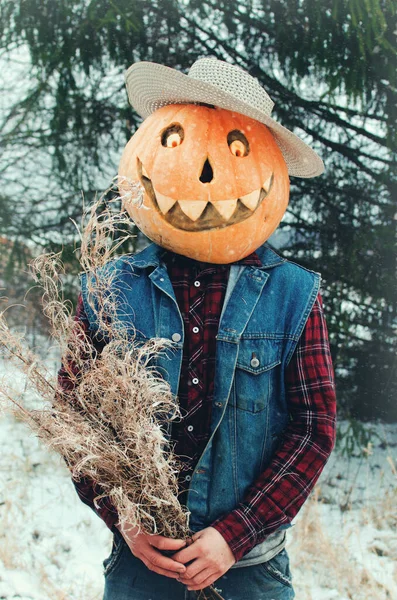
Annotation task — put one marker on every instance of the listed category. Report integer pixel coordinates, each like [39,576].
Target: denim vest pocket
[255,370]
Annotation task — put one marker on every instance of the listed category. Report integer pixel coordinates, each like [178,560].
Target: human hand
[211,556]
[145,547]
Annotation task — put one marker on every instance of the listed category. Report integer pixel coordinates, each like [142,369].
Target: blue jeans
[127,578]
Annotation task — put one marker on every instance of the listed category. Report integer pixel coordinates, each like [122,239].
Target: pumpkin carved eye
[172,136]
[238,143]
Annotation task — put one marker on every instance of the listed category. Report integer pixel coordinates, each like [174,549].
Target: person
[251,363]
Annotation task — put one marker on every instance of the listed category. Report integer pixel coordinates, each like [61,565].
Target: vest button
[190,427]
[188,478]
[255,362]
[176,337]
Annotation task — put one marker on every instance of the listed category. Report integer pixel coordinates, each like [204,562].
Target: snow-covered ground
[343,544]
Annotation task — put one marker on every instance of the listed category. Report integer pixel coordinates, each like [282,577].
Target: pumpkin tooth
[225,208]
[266,186]
[193,208]
[164,202]
[251,200]
[144,172]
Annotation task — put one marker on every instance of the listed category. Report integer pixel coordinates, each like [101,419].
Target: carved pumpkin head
[216,183]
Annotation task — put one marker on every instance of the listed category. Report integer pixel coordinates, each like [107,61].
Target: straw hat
[211,81]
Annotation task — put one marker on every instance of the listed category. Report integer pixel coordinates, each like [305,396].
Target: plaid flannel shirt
[308,440]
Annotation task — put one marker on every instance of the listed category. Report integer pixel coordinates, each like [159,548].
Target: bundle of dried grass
[109,426]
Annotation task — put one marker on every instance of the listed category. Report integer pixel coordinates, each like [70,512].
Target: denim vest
[264,313]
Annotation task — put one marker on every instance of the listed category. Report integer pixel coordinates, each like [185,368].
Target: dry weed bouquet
[110,426]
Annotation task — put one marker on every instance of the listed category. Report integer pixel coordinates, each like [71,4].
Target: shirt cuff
[237,532]
[109,517]
[87,491]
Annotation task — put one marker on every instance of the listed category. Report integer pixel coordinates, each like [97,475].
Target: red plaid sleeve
[279,492]
[87,489]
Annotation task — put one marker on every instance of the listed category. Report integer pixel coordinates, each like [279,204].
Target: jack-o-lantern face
[216,184]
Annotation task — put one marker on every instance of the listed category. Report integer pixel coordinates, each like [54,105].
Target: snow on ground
[343,544]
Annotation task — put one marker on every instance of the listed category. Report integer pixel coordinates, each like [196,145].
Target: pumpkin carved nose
[207,173]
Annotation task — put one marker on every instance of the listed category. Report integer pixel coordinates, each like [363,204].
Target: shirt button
[161,278]
[176,337]
[255,362]
[197,284]
[195,380]
[190,427]
[188,478]
[220,404]
[196,329]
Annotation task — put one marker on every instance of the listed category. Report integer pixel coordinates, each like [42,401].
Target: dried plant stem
[110,422]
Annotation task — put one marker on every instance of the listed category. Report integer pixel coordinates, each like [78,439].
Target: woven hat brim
[151,86]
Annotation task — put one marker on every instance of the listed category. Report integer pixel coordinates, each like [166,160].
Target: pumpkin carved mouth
[199,215]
